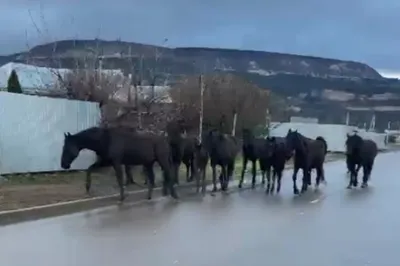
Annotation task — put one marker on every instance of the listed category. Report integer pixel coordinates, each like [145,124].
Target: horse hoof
[296,191]
[240,185]
[364,185]
[253,186]
[214,190]
[349,187]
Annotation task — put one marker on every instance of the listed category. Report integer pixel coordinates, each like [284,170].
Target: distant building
[43,80]
[37,80]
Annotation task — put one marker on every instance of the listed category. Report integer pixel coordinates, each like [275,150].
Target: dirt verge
[24,191]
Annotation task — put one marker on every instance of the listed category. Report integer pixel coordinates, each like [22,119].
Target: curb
[69,207]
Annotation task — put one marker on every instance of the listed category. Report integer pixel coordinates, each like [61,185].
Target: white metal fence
[335,135]
[32,131]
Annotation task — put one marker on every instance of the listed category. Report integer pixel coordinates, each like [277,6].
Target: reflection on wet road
[334,227]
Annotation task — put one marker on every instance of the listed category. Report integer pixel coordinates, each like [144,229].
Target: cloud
[360,30]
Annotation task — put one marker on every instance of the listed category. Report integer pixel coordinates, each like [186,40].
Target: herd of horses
[124,148]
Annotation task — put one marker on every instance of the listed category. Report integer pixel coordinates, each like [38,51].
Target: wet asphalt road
[331,228]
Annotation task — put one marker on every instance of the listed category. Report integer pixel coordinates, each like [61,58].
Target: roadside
[24,191]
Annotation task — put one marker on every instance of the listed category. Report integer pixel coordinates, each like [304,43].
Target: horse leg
[225,178]
[150,180]
[278,188]
[268,172]
[145,176]
[197,175]
[214,178]
[118,172]
[262,177]
[168,176]
[352,175]
[176,172]
[203,187]
[262,168]
[273,181]
[320,176]
[98,164]
[243,170]
[355,176]
[192,170]
[294,178]
[129,178]
[229,172]
[306,179]
[187,172]
[254,170]
[367,173]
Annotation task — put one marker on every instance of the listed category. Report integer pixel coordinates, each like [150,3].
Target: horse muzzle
[65,166]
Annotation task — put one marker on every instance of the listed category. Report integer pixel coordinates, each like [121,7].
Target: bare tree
[224,96]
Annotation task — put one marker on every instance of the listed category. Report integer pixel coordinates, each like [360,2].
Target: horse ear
[65,135]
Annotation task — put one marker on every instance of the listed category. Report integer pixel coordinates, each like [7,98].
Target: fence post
[201,83]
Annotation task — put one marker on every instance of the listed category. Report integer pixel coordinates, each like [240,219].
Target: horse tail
[324,142]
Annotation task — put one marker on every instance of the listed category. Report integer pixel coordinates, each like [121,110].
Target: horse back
[369,150]
[137,148]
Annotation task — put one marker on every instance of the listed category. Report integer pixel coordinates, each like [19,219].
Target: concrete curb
[69,207]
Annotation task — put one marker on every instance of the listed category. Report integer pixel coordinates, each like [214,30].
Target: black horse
[278,154]
[254,149]
[188,157]
[309,154]
[360,153]
[118,147]
[222,149]
[176,132]
[201,158]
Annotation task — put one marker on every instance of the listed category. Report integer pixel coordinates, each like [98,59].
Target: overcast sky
[361,30]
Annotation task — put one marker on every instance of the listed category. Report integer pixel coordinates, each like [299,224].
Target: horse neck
[248,140]
[301,147]
[90,140]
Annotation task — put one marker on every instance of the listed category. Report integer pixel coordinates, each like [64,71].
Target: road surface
[335,227]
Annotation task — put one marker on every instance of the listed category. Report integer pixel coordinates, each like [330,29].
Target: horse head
[353,144]
[70,150]
[294,140]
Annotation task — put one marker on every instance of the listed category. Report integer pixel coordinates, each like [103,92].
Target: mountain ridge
[261,62]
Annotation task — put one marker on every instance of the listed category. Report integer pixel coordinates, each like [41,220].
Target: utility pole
[234,123]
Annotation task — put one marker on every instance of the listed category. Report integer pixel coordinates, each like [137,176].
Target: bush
[13,84]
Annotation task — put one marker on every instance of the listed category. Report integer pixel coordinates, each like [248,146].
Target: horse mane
[354,137]
[320,138]
[84,132]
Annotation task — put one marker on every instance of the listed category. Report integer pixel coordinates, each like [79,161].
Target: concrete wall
[335,135]
[32,131]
